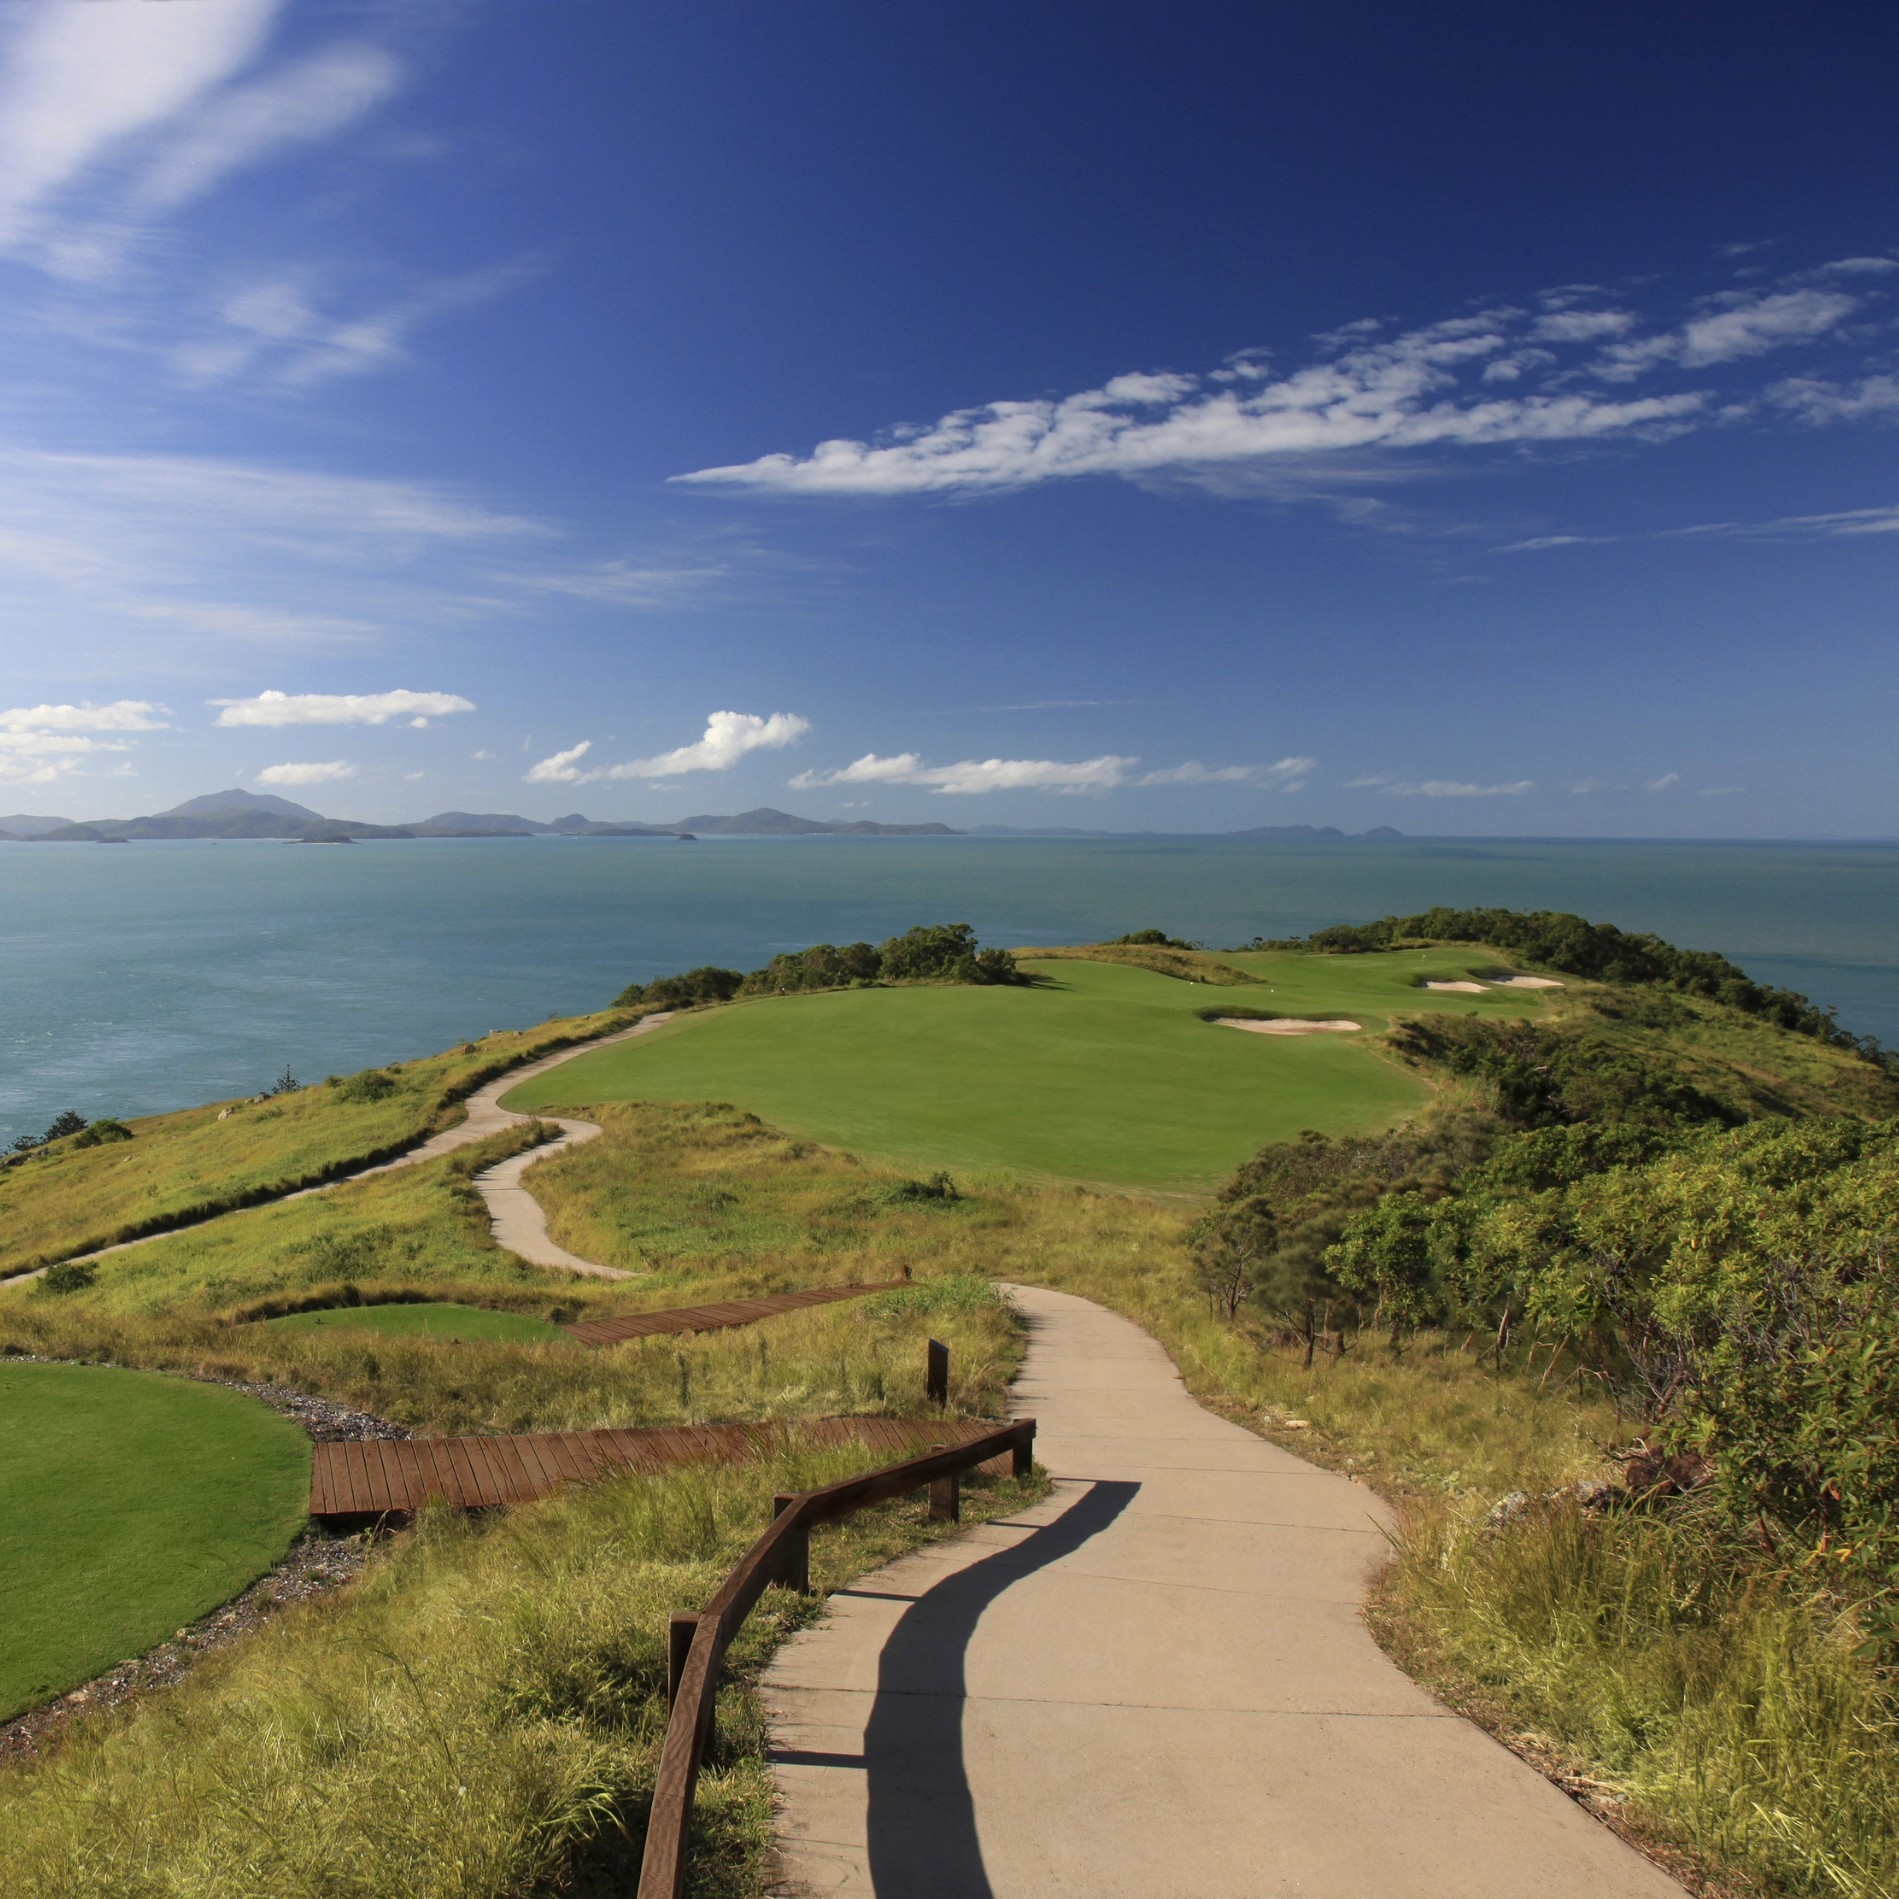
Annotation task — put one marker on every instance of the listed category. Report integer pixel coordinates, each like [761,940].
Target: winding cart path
[514,1215]
[1153,1684]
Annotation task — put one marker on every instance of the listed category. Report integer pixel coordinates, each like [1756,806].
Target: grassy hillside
[1101,1072]
[65,1199]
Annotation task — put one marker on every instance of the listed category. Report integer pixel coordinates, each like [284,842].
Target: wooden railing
[781,1555]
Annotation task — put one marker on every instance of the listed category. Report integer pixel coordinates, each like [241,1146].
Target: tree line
[938,952]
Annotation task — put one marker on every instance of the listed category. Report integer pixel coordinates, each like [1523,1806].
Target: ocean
[149,976]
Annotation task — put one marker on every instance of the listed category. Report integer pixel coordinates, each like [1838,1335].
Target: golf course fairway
[130,1504]
[418,1321]
[1101,1073]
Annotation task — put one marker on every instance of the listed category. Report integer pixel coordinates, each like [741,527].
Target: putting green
[1105,1074]
[434,1321]
[130,1504]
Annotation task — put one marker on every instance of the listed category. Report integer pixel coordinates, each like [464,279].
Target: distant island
[253,814]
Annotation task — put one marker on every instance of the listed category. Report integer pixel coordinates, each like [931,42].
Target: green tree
[1229,1246]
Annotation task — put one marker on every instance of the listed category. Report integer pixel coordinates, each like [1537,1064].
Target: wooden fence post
[937,1376]
[797,1551]
[946,1495]
[679,1633]
[1024,1464]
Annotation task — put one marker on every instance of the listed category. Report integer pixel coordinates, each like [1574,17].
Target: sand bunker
[1462,988]
[1285,1025]
[1526,982]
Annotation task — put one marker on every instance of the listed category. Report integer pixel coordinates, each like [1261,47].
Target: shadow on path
[922,1822]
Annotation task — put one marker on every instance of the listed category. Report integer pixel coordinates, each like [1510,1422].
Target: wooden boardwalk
[646,1325]
[381,1478]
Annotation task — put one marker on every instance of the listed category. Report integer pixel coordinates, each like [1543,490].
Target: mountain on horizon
[216,803]
[767,822]
[252,814]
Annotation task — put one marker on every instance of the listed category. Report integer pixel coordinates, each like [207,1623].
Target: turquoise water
[154,976]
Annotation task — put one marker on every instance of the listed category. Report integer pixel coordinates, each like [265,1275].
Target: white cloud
[618,583]
[974,776]
[1539,542]
[308,100]
[1735,325]
[1862,266]
[1813,399]
[1845,524]
[1502,376]
[122,715]
[1377,395]
[78,81]
[1439,787]
[1667,781]
[563,768]
[306,774]
[1288,774]
[1581,326]
[728,737]
[340,708]
[39,744]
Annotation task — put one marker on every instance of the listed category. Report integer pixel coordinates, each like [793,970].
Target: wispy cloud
[340,708]
[311,98]
[1401,394]
[976,775]
[619,583]
[1847,523]
[1504,376]
[1814,399]
[237,550]
[1735,325]
[973,776]
[306,774]
[1439,787]
[80,82]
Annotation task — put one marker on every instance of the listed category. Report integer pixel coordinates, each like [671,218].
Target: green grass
[430,1321]
[129,1505]
[1104,1073]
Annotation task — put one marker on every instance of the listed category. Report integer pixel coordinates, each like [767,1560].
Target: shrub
[372,1084]
[102,1133]
[69,1275]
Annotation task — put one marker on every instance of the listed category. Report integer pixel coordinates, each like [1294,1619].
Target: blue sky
[1474,420]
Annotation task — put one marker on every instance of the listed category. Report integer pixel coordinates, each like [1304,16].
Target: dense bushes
[1537,1077]
[942,952]
[1738,1287]
[1558,939]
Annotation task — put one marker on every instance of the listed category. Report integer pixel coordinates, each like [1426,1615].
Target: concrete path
[1154,1685]
[514,1215]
